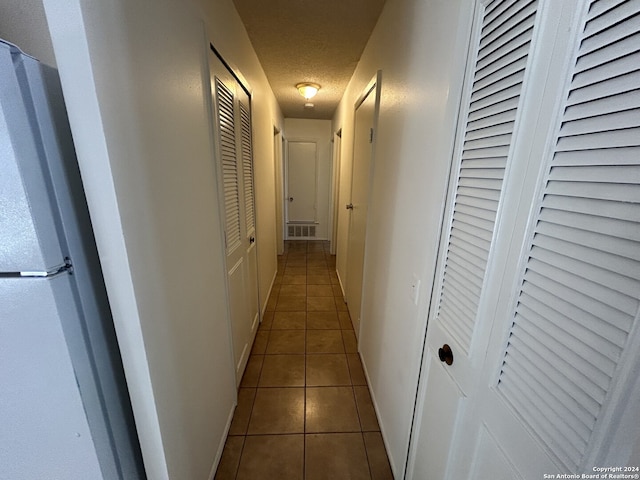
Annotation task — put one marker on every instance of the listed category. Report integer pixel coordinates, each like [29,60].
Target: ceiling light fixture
[308,90]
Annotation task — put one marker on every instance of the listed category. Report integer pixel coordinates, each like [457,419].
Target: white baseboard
[380,423]
[223,441]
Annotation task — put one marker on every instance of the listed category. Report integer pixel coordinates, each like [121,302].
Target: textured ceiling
[309,41]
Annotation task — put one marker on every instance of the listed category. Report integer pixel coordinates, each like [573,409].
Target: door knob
[291,199]
[445,354]
[252,239]
[350,206]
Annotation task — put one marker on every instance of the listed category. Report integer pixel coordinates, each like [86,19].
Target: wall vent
[301,231]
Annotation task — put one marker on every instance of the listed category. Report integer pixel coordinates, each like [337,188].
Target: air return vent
[301,231]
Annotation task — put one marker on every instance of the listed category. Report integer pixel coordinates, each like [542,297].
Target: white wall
[135,79]
[319,131]
[420,47]
[23,23]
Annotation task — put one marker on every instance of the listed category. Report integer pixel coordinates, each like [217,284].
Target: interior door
[359,204]
[232,121]
[302,173]
[533,330]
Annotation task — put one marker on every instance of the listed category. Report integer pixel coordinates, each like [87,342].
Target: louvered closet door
[234,159]
[497,72]
[249,217]
[540,276]
[558,382]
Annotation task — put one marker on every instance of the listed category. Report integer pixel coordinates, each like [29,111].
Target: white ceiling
[309,41]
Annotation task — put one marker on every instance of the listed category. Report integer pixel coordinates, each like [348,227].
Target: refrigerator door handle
[66,267]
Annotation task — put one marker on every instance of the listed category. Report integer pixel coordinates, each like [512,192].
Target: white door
[302,174]
[539,279]
[232,120]
[359,204]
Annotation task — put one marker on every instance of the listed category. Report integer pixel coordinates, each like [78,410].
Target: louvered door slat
[606,139]
[471,239]
[471,230]
[503,71]
[226,128]
[495,93]
[603,106]
[614,34]
[566,436]
[559,403]
[481,193]
[476,222]
[598,156]
[541,360]
[478,202]
[463,282]
[506,21]
[608,54]
[590,206]
[600,191]
[495,129]
[455,291]
[591,256]
[574,304]
[456,322]
[581,418]
[503,67]
[492,114]
[528,410]
[614,16]
[612,280]
[505,117]
[472,211]
[247,169]
[495,9]
[613,227]
[611,298]
[580,289]
[516,40]
[614,121]
[616,75]
[603,6]
[494,141]
[570,366]
[599,174]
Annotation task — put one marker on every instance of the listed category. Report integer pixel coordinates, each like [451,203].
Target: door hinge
[371,135]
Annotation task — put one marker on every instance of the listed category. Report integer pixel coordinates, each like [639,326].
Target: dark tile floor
[304,409]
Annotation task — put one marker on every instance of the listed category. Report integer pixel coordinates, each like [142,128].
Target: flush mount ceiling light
[308,90]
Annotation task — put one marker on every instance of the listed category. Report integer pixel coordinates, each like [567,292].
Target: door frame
[335,190]
[278,164]
[373,86]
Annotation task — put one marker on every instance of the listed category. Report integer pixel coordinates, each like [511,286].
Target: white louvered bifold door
[247,169]
[483,153]
[227,138]
[550,292]
[233,157]
[580,289]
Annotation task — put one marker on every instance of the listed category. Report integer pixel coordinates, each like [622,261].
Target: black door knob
[445,354]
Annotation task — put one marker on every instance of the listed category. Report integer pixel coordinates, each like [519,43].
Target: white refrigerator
[65,411]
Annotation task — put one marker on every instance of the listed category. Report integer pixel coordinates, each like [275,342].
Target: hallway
[304,409]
